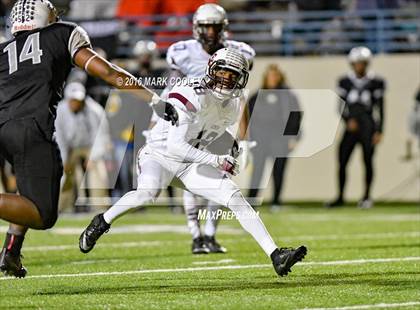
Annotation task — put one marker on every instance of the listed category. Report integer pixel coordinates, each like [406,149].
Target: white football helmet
[210,14]
[32,14]
[360,54]
[222,64]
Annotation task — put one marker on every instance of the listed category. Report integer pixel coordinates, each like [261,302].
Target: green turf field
[356,257]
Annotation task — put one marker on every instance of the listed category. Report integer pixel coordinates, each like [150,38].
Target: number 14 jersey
[33,68]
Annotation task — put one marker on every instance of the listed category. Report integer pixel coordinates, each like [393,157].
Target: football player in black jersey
[33,68]
[363,95]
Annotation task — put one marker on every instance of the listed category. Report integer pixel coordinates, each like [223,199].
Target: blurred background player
[414,118]
[273,106]
[189,59]
[34,66]
[83,137]
[362,93]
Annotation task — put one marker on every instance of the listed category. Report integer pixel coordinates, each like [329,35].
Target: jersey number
[202,142]
[30,50]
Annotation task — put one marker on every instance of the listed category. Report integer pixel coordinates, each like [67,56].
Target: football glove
[228,163]
[164,110]
[244,152]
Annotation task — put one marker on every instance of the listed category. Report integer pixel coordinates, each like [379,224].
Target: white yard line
[95,261]
[381,305]
[215,262]
[409,234]
[229,267]
[414,234]
[140,229]
[103,245]
[362,216]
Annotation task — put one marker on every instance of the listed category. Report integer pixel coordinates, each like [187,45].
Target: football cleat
[335,204]
[11,265]
[365,204]
[92,233]
[275,208]
[284,258]
[199,246]
[213,245]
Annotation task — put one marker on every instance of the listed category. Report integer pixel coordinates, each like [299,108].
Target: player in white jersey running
[179,153]
[189,59]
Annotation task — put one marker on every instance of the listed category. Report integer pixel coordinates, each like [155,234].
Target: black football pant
[348,142]
[37,163]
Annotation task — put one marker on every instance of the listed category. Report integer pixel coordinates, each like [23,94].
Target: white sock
[211,223]
[130,201]
[191,210]
[252,225]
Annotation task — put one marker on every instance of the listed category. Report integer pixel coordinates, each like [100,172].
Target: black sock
[13,243]
[274,254]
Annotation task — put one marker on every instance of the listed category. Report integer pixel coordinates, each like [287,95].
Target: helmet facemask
[210,35]
[225,81]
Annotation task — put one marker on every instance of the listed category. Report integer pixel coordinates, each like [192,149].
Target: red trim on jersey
[184,101]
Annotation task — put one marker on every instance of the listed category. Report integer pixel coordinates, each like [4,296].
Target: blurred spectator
[271,111]
[82,133]
[93,9]
[319,5]
[374,4]
[127,9]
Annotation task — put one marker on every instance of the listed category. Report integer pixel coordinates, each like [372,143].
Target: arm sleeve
[78,39]
[378,112]
[296,119]
[181,149]
[343,109]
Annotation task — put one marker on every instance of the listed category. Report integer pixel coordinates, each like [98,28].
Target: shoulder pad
[244,48]
[62,24]
[185,98]
[177,55]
